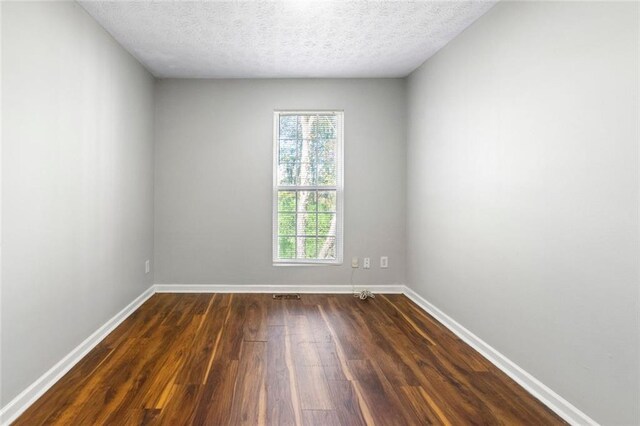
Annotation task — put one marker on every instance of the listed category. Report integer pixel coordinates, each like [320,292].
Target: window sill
[337,263]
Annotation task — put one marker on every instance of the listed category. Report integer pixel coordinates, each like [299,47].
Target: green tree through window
[308,187]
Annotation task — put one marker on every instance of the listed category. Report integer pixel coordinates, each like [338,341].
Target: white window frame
[339,188]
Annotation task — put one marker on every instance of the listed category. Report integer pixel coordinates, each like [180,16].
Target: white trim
[20,403]
[307,264]
[532,385]
[307,111]
[271,288]
[535,387]
[338,187]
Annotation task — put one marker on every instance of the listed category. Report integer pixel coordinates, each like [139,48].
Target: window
[307,187]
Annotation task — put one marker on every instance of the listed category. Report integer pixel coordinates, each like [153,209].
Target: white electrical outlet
[147,266]
[366,263]
[354,262]
[384,262]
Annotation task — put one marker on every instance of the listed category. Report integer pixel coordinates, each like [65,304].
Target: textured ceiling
[294,38]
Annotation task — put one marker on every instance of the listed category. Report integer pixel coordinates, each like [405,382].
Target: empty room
[320,212]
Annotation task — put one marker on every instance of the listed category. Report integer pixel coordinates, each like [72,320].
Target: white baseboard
[271,288]
[535,387]
[547,396]
[20,403]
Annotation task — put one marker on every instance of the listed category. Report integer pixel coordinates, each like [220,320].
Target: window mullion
[326,134]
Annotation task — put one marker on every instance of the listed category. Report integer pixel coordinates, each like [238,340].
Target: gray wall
[522,217]
[77,184]
[521,187]
[214,179]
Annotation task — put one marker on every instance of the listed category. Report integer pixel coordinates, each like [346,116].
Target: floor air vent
[287,296]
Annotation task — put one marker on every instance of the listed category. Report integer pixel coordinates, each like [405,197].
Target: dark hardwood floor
[216,359]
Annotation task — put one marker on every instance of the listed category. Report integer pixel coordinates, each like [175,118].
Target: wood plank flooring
[216,359]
